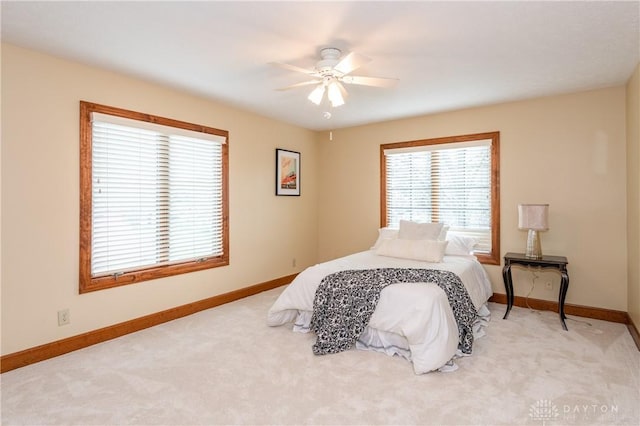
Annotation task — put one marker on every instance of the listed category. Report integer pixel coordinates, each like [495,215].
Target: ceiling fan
[331,72]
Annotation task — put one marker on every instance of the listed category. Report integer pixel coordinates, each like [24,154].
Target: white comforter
[413,320]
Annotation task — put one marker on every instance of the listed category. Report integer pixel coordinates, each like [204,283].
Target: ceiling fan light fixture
[331,72]
[316,94]
[334,95]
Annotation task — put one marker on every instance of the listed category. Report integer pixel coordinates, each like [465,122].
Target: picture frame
[287,172]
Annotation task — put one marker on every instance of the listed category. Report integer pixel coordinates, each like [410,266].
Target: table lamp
[534,218]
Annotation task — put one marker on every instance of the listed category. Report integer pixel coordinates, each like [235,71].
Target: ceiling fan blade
[293,68]
[343,91]
[304,83]
[369,81]
[351,62]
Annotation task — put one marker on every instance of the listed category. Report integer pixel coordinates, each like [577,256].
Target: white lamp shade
[316,95]
[533,216]
[334,95]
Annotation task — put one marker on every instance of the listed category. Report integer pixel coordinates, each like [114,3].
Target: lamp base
[534,251]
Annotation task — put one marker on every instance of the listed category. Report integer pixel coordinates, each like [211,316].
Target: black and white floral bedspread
[344,303]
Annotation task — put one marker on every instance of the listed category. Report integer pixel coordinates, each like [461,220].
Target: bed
[411,319]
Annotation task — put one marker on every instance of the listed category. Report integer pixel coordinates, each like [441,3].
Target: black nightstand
[556,262]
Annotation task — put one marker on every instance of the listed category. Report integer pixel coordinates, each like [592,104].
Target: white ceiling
[446,55]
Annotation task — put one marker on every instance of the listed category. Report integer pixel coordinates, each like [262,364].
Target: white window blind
[449,183]
[156,195]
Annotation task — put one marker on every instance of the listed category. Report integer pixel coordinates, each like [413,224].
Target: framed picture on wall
[287,172]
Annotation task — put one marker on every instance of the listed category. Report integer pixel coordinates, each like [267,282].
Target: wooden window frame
[493,257]
[89,283]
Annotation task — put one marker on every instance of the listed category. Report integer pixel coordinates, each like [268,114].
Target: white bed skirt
[394,344]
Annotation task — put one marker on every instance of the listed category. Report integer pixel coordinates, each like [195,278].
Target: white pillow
[443,233]
[424,250]
[460,245]
[385,234]
[419,231]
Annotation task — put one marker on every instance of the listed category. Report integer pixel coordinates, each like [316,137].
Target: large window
[452,180]
[153,197]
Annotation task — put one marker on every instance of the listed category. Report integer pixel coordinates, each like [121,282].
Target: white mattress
[413,320]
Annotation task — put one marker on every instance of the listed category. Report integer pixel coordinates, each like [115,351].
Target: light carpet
[225,366]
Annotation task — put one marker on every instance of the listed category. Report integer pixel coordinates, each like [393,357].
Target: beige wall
[568,151]
[633,195]
[40,198]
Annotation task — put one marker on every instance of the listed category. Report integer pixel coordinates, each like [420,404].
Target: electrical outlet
[64,317]
[293,262]
[549,285]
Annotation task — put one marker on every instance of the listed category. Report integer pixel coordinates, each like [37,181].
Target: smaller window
[451,180]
